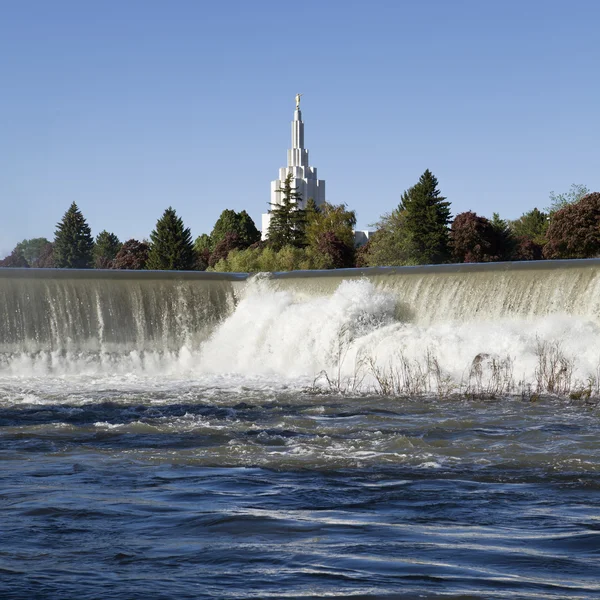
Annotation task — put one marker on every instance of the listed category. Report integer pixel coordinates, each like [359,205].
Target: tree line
[420,230]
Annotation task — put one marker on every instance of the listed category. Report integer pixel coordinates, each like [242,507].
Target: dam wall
[116,312]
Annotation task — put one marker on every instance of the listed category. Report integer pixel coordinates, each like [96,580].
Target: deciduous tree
[46,258]
[574,230]
[232,222]
[132,255]
[526,249]
[576,192]
[14,260]
[390,245]
[337,253]
[474,239]
[531,225]
[230,242]
[336,219]
[32,249]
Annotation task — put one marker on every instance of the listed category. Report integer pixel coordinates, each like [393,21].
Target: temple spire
[304,177]
[297,136]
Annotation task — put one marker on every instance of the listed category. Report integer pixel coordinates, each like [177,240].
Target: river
[248,447]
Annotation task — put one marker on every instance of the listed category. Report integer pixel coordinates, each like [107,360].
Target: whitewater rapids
[339,342]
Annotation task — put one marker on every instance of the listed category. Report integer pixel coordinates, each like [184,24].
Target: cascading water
[296,326]
[378,433]
[60,320]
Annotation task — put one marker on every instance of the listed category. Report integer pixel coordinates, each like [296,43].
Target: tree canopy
[390,245]
[31,249]
[576,192]
[531,225]
[574,231]
[231,222]
[332,218]
[132,255]
[475,239]
[14,260]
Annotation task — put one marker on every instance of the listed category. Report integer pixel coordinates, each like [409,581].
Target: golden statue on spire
[298,101]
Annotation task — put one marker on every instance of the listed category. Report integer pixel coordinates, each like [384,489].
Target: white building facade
[304,178]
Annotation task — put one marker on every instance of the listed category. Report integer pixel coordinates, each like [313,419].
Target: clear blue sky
[127,107]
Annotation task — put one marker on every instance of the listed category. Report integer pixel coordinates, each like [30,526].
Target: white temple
[304,178]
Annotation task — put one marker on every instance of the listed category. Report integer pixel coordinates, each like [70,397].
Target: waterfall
[291,324]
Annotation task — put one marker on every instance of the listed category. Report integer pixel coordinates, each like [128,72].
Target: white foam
[283,340]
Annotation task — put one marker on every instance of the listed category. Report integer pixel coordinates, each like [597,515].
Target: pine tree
[73,242]
[105,250]
[171,247]
[505,240]
[427,216]
[287,225]
[312,211]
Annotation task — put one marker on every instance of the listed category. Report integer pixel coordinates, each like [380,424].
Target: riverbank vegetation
[420,230]
[488,376]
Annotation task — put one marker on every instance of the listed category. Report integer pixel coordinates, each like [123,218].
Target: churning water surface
[265,462]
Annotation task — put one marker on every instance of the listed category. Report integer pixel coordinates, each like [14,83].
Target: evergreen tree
[505,240]
[427,217]
[171,247]
[73,242]
[105,250]
[287,225]
[312,211]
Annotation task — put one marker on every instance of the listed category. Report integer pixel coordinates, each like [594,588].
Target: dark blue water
[266,493]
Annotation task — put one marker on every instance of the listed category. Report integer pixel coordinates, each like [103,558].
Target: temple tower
[304,178]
